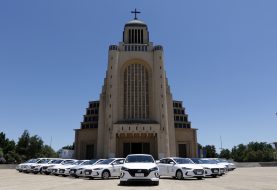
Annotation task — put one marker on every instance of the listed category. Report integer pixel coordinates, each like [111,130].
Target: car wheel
[105,174]
[199,178]
[122,183]
[155,183]
[214,175]
[179,174]
[91,177]
[76,176]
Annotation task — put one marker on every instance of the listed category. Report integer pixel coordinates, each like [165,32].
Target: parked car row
[135,167]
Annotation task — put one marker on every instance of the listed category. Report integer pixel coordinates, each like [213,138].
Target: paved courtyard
[257,178]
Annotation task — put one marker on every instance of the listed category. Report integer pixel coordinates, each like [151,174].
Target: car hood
[209,165]
[193,166]
[140,165]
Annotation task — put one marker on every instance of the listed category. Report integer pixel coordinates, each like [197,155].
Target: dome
[135,22]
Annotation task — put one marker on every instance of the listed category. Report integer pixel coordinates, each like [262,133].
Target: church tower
[136,112]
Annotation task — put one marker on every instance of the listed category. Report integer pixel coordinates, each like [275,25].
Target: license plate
[139,174]
[199,173]
[87,173]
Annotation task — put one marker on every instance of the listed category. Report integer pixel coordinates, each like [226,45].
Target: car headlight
[98,169]
[184,168]
[153,169]
[124,169]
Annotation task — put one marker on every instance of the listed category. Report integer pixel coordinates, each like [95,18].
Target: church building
[136,112]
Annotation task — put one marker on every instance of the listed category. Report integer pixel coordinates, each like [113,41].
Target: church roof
[135,22]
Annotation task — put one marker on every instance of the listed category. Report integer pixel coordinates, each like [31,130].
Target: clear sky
[220,57]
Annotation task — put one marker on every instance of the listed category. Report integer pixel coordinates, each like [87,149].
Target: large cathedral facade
[136,112]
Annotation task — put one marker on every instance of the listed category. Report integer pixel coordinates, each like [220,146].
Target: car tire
[214,175]
[122,183]
[155,183]
[179,174]
[91,177]
[199,178]
[106,174]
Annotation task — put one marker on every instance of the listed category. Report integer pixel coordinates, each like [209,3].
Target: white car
[37,167]
[55,169]
[180,168]
[139,167]
[230,166]
[64,169]
[51,163]
[24,165]
[105,169]
[78,171]
[210,168]
[222,168]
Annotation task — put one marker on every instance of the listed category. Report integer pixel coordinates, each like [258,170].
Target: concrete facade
[136,112]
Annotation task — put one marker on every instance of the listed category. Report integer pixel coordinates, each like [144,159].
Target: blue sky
[220,59]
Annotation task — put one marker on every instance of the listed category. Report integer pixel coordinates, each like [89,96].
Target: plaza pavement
[256,178]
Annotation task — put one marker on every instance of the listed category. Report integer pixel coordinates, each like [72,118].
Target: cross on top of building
[135,12]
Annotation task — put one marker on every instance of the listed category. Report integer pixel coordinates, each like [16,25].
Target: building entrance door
[136,148]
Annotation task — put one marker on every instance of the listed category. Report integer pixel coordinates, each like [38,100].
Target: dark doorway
[136,148]
[182,150]
[90,151]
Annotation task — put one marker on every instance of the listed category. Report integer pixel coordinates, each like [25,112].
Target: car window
[163,161]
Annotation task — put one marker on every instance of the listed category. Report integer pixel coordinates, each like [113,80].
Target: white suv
[139,167]
[180,168]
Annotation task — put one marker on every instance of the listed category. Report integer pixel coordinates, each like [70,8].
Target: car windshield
[108,161]
[139,158]
[78,162]
[32,161]
[222,161]
[56,161]
[89,162]
[183,161]
[203,161]
[67,162]
[43,161]
[196,160]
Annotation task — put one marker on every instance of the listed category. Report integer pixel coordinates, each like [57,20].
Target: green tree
[210,151]
[35,147]
[225,153]
[23,144]
[48,152]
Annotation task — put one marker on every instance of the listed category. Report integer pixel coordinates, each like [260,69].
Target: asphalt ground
[257,178]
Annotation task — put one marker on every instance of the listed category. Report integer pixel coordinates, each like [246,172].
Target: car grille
[215,170]
[61,170]
[88,172]
[132,172]
[198,172]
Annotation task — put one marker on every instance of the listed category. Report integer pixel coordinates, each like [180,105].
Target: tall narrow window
[136,92]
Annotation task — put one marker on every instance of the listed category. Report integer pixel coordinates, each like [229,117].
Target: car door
[116,166]
[162,167]
[170,167]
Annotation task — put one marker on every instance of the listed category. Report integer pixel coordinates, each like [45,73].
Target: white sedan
[139,167]
[64,169]
[210,168]
[105,169]
[180,168]
[78,171]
